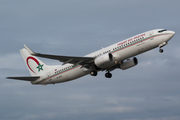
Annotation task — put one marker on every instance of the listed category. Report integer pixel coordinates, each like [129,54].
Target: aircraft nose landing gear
[162,45]
[161,50]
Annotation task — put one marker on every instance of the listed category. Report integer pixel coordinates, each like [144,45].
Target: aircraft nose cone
[173,33]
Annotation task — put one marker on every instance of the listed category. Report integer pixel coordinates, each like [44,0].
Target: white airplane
[107,59]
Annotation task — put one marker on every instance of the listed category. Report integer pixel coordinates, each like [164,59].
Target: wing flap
[66,59]
[31,78]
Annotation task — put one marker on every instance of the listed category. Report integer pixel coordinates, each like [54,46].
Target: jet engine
[129,63]
[103,60]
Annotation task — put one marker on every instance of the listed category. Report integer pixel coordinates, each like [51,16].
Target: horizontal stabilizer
[32,78]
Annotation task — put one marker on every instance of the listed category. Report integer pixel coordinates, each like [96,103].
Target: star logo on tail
[40,67]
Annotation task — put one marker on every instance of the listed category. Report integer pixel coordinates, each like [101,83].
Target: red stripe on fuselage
[56,75]
[112,52]
[137,43]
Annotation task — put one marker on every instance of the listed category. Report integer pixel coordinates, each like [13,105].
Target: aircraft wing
[64,59]
[31,78]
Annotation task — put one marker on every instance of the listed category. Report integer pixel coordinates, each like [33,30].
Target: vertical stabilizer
[36,67]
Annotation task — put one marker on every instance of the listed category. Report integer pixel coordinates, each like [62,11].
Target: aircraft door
[140,47]
[151,35]
[140,50]
[152,41]
[49,75]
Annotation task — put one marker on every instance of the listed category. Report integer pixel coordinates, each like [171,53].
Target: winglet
[29,50]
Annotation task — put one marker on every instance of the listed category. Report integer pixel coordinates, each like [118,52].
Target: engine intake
[103,60]
[129,63]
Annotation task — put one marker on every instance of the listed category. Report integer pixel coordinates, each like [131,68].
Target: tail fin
[36,67]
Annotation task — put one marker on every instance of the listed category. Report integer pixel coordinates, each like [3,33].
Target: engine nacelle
[103,60]
[129,63]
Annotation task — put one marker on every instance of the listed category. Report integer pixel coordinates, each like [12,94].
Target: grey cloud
[148,91]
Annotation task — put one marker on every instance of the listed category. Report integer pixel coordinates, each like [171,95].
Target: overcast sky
[148,91]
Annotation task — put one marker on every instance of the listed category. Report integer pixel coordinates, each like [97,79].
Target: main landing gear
[93,73]
[107,75]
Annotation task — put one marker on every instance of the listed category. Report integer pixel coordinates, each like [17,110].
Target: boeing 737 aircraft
[120,55]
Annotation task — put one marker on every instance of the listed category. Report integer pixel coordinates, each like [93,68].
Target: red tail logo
[37,62]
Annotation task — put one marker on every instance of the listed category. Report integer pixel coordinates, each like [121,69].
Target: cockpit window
[162,31]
